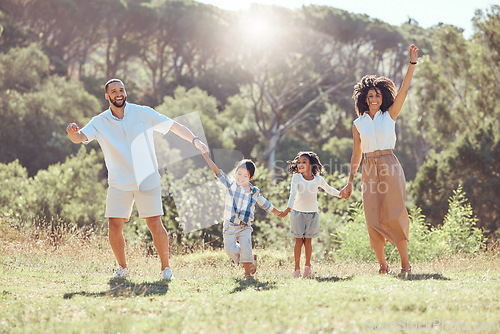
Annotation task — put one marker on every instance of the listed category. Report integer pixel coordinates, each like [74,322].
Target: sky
[426,12]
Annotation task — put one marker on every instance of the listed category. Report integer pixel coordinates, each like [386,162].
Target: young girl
[303,202]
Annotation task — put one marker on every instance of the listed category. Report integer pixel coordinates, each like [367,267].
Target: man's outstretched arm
[74,134]
[186,134]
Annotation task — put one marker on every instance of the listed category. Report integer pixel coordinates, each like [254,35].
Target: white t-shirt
[378,133]
[304,193]
[128,145]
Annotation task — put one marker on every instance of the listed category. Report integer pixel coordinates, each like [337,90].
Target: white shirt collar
[109,113]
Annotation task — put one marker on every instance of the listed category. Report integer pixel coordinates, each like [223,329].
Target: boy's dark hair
[383,84]
[316,166]
[248,164]
[110,82]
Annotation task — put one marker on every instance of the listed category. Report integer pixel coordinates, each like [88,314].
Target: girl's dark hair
[386,87]
[316,166]
[248,164]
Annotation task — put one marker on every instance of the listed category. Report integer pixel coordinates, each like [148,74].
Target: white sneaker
[167,274]
[296,273]
[121,272]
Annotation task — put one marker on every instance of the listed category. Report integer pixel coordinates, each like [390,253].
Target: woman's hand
[345,193]
[413,53]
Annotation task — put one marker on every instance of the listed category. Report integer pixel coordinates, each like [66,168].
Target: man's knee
[116,224]
[155,225]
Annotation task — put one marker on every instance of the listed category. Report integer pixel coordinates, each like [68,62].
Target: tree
[69,29]
[35,108]
[285,87]
[472,161]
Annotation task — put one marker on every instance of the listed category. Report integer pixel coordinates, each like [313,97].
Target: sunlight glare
[258,31]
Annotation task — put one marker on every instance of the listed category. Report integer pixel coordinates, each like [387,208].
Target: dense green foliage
[266,93]
[70,193]
[458,235]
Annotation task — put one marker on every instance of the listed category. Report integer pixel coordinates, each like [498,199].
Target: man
[125,134]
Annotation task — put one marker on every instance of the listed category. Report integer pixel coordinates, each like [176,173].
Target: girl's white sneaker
[296,273]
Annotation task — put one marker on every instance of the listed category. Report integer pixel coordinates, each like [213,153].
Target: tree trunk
[270,151]
[420,151]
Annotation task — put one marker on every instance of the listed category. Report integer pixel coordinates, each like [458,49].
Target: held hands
[284,213]
[413,53]
[201,146]
[345,193]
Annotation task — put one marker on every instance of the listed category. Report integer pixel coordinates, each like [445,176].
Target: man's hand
[74,133]
[72,128]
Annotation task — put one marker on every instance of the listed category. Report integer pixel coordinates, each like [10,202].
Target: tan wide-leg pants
[384,192]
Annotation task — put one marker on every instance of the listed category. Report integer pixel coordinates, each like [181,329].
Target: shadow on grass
[243,284]
[121,287]
[333,278]
[421,277]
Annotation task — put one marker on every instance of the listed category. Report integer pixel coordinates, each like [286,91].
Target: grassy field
[67,289]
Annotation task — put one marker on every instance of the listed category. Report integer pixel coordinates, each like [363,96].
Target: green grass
[67,289]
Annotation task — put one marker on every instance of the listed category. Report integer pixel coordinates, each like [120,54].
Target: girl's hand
[345,193]
[413,53]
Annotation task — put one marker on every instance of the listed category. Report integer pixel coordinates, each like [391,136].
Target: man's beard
[119,104]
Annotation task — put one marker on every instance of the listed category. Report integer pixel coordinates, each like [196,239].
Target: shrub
[69,193]
[352,238]
[457,234]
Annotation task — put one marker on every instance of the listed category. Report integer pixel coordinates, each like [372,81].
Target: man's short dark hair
[249,165]
[110,82]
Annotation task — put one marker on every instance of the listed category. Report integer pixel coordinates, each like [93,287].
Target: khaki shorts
[119,203]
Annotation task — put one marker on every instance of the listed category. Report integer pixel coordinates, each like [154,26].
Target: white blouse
[378,133]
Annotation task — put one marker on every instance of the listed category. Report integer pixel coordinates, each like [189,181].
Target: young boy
[241,197]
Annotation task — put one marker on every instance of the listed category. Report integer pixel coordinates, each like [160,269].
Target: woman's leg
[380,254]
[403,253]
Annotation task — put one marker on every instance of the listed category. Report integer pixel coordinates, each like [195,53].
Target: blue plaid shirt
[240,206]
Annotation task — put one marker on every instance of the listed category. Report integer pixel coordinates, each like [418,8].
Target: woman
[383,183]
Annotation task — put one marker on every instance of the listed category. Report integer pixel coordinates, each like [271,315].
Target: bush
[352,239]
[458,234]
[69,193]
[14,183]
